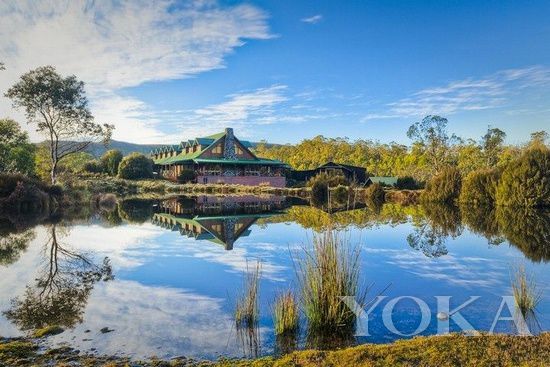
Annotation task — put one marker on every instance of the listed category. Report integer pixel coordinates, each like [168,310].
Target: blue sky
[288,70]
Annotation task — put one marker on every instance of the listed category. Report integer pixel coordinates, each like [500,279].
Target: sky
[284,71]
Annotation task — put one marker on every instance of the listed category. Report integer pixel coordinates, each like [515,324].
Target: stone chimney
[229,146]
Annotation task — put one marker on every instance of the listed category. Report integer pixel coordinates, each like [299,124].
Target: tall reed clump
[247,311]
[286,314]
[328,271]
[526,293]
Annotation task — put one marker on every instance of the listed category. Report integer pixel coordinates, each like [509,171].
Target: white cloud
[313,19]
[112,45]
[494,91]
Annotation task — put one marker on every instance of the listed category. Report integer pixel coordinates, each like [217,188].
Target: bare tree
[59,107]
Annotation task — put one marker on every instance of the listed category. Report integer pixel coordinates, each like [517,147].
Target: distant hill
[97,149]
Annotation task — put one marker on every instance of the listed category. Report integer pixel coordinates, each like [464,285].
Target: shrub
[407,183]
[375,194]
[135,166]
[187,175]
[93,167]
[340,195]
[443,187]
[110,161]
[525,181]
[479,187]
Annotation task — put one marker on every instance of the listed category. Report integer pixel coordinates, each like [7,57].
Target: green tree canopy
[16,152]
[492,143]
[135,166]
[110,161]
[59,108]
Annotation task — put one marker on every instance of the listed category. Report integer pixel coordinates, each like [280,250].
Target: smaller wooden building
[351,173]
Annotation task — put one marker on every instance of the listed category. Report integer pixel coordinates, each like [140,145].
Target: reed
[328,270]
[247,311]
[286,314]
[526,293]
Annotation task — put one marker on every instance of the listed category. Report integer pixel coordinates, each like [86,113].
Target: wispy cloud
[113,45]
[494,91]
[313,19]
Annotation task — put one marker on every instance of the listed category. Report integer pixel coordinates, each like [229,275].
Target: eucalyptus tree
[58,107]
[492,143]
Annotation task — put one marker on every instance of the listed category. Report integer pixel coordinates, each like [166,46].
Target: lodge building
[219,159]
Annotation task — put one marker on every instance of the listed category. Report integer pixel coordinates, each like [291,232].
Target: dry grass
[246,310]
[286,314]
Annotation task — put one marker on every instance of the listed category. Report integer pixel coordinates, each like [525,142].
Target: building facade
[218,159]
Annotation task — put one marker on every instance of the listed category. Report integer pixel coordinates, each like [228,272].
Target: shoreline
[447,350]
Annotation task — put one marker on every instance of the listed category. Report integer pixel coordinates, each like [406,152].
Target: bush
[340,195]
[110,161]
[375,194]
[443,187]
[135,166]
[93,167]
[186,176]
[525,181]
[407,183]
[479,187]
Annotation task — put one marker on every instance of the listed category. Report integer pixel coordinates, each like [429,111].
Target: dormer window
[238,150]
[217,149]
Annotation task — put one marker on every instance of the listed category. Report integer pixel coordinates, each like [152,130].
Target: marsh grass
[527,297]
[247,310]
[286,314]
[327,271]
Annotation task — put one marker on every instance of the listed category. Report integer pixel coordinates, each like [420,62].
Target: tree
[135,166]
[443,187]
[59,108]
[16,151]
[478,187]
[525,182]
[110,161]
[538,138]
[431,133]
[492,143]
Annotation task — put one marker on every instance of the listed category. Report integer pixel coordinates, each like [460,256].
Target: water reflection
[179,297]
[62,287]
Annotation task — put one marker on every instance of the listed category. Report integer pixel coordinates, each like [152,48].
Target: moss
[18,349]
[48,330]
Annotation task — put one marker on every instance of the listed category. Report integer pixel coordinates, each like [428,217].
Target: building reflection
[221,220]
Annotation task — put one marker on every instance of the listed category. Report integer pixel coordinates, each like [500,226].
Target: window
[238,150]
[217,149]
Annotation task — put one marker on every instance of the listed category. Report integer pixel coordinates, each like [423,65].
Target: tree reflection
[62,287]
[12,245]
[482,220]
[432,231]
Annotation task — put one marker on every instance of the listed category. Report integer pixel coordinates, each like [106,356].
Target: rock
[106,330]
[442,316]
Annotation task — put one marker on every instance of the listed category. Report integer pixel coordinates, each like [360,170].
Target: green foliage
[110,161]
[525,182]
[93,166]
[479,187]
[492,143]
[59,108]
[186,175]
[16,152]
[443,187]
[135,166]
[375,194]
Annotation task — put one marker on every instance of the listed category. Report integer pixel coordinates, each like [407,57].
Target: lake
[161,278]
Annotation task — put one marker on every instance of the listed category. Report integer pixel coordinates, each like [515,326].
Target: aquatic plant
[327,271]
[246,310]
[286,314]
[525,290]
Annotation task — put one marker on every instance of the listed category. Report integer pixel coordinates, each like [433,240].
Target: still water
[161,278]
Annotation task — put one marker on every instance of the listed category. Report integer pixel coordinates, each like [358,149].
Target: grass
[526,293]
[286,314]
[48,330]
[437,351]
[247,311]
[327,271]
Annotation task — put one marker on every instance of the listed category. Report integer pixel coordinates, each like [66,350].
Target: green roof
[206,142]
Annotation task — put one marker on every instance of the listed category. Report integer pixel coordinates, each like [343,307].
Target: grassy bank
[440,351]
